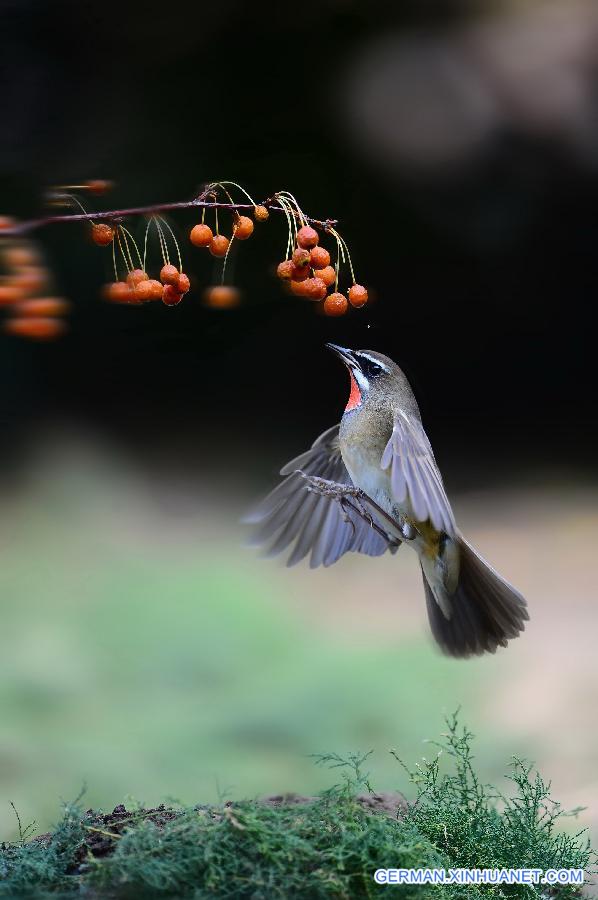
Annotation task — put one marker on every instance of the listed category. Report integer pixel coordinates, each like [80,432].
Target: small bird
[372,483]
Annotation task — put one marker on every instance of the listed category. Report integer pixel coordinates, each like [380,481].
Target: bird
[370,484]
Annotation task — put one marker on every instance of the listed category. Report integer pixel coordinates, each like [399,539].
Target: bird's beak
[345,354]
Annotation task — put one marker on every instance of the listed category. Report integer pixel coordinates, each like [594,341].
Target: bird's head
[373,376]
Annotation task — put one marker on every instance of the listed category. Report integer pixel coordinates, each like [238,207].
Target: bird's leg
[345,493]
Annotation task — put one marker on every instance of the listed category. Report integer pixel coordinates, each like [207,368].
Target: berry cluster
[307,269]
[33,313]
[225,296]
[137,287]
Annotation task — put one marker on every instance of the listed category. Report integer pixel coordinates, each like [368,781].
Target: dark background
[482,260]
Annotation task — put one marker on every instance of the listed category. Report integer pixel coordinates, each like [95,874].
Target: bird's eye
[370,368]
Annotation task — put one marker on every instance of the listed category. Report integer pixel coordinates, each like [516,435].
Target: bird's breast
[362,441]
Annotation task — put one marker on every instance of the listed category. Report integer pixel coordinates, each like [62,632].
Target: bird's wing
[314,523]
[414,473]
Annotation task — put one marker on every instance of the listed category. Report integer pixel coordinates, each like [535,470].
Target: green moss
[328,848]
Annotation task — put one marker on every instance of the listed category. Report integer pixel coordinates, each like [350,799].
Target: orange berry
[201,235]
[301,258]
[319,258]
[39,328]
[243,228]
[6,222]
[102,234]
[171,295]
[219,245]
[307,237]
[118,292]
[285,269]
[169,274]
[45,307]
[335,305]
[261,214]
[98,186]
[358,295]
[314,288]
[156,289]
[300,273]
[135,277]
[31,279]
[328,275]
[10,293]
[20,256]
[143,290]
[183,283]
[298,287]
[222,296]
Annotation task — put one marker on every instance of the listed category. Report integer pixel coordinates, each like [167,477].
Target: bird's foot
[350,497]
[327,488]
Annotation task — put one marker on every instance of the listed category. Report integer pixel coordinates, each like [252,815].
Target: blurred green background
[146,653]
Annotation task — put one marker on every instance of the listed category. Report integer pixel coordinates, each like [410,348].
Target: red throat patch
[355,395]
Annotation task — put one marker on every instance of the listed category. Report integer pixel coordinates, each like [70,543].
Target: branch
[117,215]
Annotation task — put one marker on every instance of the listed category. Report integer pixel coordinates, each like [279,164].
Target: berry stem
[176,243]
[114,261]
[346,249]
[128,236]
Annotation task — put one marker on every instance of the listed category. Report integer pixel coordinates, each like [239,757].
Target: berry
[328,275]
[143,290]
[358,295]
[222,296]
[261,214]
[201,235]
[39,328]
[298,288]
[219,245]
[314,288]
[169,274]
[300,258]
[10,293]
[31,279]
[319,258]
[307,237]
[300,273]
[171,295]
[243,228]
[183,283]
[135,277]
[46,307]
[285,269]
[335,305]
[20,257]
[118,292]
[102,234]
[98,186]
[156,291]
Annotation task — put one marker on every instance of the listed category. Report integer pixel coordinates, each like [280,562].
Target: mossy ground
[324,847]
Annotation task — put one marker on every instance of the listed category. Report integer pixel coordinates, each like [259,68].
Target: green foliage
[477,826]
[328,848]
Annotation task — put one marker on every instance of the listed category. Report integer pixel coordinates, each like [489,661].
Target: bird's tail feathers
[485,610]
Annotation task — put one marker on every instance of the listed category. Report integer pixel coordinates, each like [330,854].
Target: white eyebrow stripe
[372,359]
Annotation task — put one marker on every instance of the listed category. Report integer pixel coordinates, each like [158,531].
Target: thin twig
[116,215]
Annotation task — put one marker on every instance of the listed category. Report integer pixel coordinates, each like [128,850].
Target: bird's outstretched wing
[314,523]
[414,474]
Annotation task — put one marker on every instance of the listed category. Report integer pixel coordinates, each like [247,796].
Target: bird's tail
[485,610]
